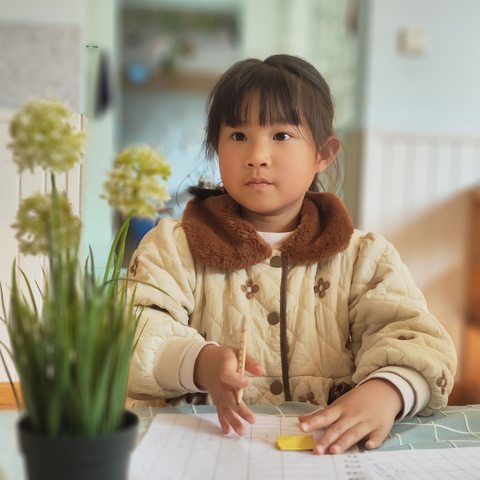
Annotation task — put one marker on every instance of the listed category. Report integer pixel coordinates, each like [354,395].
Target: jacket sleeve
[391,328]
[163,259]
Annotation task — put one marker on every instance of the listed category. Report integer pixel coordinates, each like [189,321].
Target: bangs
[278,94]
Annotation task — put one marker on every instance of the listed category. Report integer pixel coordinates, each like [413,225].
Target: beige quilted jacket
[331,307]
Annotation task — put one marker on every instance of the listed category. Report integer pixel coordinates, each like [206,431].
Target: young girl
[335,318]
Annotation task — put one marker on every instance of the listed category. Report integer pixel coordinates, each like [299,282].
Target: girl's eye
[282,134]
[238,136]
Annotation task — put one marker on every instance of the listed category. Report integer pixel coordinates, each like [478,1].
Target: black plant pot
[82,458]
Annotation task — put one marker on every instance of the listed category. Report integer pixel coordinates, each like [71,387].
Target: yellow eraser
[295,442]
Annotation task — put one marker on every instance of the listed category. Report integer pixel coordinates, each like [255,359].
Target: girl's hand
[367,411]
[216,370]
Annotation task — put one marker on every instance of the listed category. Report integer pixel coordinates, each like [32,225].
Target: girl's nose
[258,156]
[257,163]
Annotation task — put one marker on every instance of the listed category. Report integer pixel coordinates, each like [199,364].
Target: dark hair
[287,85]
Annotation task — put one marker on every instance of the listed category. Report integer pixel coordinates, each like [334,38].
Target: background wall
[41,51]
[435,92]
[46,11]
[420,144]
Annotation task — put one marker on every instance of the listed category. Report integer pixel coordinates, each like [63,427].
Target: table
[452,427]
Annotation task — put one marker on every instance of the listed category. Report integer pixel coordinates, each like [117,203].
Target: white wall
[32,70]
[42,11]
[436,92]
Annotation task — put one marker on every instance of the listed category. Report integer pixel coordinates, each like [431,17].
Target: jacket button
[276,388]
[273,318]
[276,261]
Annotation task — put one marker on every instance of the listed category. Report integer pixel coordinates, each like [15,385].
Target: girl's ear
[327,153]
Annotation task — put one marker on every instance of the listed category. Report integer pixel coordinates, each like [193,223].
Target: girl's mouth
[258,183]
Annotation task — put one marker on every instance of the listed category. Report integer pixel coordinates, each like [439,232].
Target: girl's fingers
[230,402]
[234,421]
[252,366]
[376,439]
[331,435]
[320,420]
[346,440]
[246,413]
[224,424]
[231,377]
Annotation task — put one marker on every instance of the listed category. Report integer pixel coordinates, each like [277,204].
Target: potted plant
[73,353]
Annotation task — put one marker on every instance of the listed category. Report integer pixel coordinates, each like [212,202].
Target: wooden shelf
[190,82]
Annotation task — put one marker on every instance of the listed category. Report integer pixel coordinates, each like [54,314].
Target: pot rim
[130,422]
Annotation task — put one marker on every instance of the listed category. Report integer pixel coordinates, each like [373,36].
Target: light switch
[412,41]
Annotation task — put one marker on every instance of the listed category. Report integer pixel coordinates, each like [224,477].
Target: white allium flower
[42,136]
[134,182]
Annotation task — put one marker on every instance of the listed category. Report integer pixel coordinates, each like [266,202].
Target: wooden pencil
[242,356]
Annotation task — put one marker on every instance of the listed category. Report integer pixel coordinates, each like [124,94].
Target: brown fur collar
[219,237]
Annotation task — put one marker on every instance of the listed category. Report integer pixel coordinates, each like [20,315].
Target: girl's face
[268,170]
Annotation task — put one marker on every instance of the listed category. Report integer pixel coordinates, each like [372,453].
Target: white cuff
[167,360]
[403,386]
[187,367]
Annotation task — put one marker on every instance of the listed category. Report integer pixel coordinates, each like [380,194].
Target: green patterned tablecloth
[452,427]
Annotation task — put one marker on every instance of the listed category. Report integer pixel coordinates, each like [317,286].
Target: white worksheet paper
[183,447]
[425,464]
[193,447]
